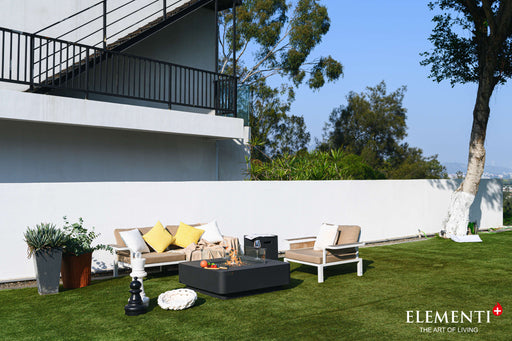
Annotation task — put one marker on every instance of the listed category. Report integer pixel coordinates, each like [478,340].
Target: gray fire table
[235,281]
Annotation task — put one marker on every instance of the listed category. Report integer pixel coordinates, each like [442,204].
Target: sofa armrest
[301,240]
[117,248]
[301,243]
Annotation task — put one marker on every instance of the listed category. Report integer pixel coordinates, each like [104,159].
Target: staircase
[89,65]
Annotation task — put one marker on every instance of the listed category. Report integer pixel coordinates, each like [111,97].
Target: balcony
[59,67]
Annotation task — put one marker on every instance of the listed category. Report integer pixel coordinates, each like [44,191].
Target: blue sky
[379,40]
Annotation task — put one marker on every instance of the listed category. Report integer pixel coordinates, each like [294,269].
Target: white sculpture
[137,263]
[178,299]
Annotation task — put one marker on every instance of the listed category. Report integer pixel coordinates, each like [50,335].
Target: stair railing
[52,65]
[98,20]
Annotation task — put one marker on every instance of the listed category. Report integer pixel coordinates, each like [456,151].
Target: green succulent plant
[79,239]
[44,236]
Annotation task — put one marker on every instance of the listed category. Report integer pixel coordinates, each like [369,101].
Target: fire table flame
[233,260]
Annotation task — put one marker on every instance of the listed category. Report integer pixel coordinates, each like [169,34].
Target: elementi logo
[452,317]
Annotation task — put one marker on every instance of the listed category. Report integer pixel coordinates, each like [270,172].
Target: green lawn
[434,274]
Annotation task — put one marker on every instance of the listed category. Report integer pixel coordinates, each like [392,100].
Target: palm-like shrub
[44,236]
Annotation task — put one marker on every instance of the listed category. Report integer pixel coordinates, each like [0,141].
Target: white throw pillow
[326,236]
[211,232]
[133,240]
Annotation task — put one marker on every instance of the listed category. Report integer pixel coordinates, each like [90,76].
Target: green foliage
[281,37]
[273,131]
[317,165]
[409,163]
[463,58]
[44,236]
[373,126]
[275,38]
[79,239]
[372,123]
[507,208]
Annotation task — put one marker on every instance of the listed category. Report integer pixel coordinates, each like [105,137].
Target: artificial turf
[429,275]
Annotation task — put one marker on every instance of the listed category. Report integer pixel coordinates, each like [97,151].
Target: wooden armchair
[345,250]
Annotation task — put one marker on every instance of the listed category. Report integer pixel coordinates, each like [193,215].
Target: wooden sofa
[173,255]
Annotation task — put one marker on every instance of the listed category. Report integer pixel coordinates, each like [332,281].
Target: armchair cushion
[326,236]
[348,234]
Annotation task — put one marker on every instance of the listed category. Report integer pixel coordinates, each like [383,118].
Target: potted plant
[77,257]
[45,243]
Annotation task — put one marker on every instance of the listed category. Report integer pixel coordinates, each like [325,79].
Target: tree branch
[489,16]
[222,42]
[271,52]
[224,65]
[477,16]
[504,21]
[242,52]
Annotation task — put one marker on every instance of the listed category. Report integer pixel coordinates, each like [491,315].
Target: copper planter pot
[76,270]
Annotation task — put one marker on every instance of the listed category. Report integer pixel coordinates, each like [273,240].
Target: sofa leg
[360,267]
[320,274]
[115,267]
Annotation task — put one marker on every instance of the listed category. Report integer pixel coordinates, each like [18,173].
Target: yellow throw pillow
[158,238]
[187,235]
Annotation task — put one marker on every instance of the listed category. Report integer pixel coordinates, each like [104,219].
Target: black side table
[268,242]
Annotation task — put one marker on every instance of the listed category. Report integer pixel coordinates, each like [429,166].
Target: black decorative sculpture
[135,306]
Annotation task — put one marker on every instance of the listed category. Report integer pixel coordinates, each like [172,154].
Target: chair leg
[320,274]
[360,267]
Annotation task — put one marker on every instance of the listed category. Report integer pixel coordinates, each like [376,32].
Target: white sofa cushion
[211,232]
[134,241]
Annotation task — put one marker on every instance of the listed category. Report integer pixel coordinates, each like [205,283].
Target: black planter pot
[47,265]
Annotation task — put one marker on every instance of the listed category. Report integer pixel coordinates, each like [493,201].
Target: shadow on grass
[294,282]
[165,272]
[93,283]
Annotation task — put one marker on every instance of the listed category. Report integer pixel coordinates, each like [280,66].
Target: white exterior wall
[55,139]
[384,209]
[25,106]
[190,41]
[35,152]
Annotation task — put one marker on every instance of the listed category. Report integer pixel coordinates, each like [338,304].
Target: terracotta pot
[76,270]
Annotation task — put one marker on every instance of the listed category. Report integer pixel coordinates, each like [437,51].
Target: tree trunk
[456,223]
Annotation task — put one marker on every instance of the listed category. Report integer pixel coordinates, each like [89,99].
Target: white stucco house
[149,107]
[100,92]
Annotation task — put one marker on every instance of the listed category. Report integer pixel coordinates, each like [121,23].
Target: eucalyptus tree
[472,44]
[276,38]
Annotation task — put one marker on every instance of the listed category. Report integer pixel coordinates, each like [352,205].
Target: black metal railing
[48,64]
[106,21]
